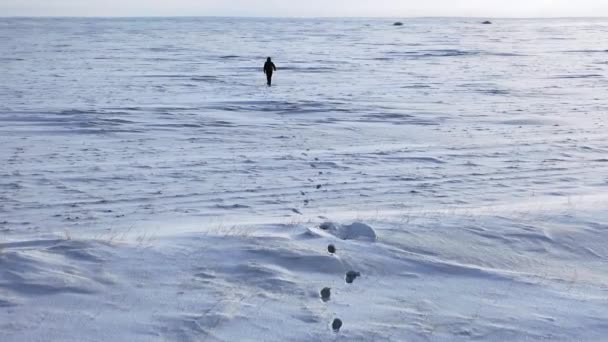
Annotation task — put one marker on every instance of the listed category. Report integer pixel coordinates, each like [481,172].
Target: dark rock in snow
[351,276]
[336,325]
[331,249]
[326,294]
[398,24]
[487,22]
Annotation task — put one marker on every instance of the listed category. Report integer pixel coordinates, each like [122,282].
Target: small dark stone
[487,22]
[337,324]
[331,249]
[319,186]
[398,24]
[351,276]
[326,294]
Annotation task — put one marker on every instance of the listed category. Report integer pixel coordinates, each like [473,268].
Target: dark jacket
[269,67]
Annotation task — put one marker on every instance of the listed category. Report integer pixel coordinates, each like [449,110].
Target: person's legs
[269,78]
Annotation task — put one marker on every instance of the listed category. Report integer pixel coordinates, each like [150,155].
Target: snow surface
[153,189]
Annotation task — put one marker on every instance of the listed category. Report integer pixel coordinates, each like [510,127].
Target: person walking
[269,68]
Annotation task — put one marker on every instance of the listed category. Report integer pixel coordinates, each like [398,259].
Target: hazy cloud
[361,8]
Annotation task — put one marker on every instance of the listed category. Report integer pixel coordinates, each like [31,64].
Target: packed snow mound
[45,267]
[358,231]
[354,231]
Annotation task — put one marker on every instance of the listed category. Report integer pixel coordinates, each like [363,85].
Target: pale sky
[306,8]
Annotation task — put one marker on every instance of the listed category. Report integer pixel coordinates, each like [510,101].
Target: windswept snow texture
[152,188]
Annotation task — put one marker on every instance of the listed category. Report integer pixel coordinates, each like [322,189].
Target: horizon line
[289,17]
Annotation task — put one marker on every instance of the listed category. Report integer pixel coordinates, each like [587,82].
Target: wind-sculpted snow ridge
[456,277]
